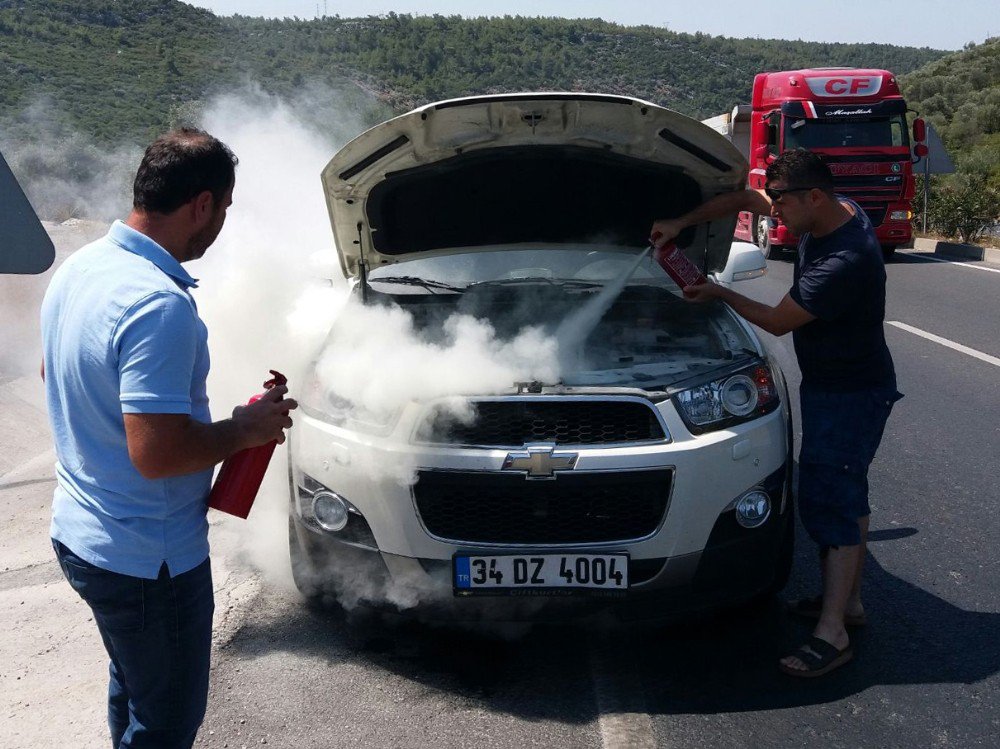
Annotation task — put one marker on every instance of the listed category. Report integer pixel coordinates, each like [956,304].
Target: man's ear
[204,204]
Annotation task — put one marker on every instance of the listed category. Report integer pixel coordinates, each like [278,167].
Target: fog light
[330,511]
[753,508]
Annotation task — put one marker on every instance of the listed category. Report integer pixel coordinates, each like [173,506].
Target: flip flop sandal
[819,656]
[809,608]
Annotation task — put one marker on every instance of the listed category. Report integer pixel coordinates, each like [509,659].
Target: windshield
[881,132]
[645,336]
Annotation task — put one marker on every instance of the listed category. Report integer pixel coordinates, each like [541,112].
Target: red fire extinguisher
[241,474]
[676,264]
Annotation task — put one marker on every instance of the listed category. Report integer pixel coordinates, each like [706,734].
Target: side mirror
[919,130]
[26,247]
[763,153]
[746,261]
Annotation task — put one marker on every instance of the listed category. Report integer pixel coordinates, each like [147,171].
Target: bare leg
[840,569]
[854,606]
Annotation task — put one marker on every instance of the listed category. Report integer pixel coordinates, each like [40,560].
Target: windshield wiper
[427,283]
[573,283]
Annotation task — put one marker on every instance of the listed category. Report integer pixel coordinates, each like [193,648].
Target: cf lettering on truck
[856,119]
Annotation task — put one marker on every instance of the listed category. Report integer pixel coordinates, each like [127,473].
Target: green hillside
[960,95]
[123,69]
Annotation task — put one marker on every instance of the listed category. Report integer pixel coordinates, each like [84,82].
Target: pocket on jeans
[848,462]
[115,599]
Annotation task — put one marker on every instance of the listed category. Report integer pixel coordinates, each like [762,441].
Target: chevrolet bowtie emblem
[540,462]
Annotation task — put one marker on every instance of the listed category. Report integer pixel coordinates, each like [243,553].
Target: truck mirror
[25,248]
[919,130]
[760,133]
[760,153]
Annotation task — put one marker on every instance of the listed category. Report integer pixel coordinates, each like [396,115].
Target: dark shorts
[840,434]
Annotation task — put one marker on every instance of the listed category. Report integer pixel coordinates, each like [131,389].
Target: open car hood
[567,169]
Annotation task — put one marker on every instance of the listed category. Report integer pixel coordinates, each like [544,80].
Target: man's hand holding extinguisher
[265,418]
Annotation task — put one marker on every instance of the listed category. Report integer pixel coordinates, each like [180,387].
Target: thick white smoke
[270,286]
[376,360]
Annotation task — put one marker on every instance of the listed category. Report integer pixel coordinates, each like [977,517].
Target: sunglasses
[776,195]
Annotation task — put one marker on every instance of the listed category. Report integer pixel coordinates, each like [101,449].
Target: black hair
[180,165]
[801,168]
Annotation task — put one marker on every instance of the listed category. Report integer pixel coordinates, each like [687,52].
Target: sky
[919,23]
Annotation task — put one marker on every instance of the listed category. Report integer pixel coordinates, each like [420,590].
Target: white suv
[651,478]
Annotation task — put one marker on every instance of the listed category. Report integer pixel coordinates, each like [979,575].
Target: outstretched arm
[784,318]
[713,208]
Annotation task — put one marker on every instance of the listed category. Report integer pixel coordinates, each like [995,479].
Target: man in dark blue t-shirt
[834,310]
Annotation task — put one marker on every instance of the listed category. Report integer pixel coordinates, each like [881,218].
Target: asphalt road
[927,667]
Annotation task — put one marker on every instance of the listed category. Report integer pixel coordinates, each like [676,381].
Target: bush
[965,206]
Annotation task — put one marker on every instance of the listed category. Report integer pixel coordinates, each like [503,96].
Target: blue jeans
[841,432]
[158,634]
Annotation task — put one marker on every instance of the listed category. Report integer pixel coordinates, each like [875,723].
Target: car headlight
[732,399]
[320,403]
[901,215]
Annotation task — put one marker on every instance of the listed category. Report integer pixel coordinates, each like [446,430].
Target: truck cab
[855,118]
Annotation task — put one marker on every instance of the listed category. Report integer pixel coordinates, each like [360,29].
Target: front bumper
[894,233]
[735,565]
[889,233]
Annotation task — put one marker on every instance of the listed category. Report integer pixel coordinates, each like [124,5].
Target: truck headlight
[732,399]
[901,215]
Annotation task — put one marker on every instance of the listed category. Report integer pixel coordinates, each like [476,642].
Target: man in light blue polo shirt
[126,359]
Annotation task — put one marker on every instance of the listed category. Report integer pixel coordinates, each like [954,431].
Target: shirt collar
[139,244]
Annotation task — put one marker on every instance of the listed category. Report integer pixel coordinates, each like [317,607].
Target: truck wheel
[762,236]
[888,250]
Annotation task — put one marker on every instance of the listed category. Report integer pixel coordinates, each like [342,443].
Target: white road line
[945,342]
[618,693]
[950,262]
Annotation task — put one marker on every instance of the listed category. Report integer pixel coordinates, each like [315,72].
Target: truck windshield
[884,131]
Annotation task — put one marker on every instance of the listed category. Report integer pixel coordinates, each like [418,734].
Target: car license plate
[540,574]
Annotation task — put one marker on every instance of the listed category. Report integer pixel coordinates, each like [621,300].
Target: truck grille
[876,181]
[512,423]
[875,213]
[575,508]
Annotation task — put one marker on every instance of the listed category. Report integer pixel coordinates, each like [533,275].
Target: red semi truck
[855,118]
